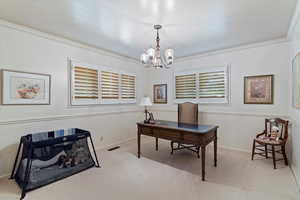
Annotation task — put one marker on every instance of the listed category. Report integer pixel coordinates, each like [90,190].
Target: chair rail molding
[63,117]
[225,113]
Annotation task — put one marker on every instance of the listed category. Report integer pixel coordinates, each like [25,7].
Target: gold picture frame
[296,81]
[160,93]
[259,89]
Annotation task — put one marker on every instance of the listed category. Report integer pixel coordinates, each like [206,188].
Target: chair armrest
[263,133]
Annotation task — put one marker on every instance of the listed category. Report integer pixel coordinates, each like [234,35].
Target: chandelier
[153,58]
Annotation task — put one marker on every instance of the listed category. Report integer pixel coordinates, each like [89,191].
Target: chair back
[282,126]
[188,113]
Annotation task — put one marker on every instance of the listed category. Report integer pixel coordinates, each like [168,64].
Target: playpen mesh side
[51,163]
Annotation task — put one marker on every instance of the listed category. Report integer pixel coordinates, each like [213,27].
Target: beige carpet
[161,176]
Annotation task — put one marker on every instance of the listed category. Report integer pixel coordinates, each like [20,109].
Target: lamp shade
[144,58]
[146,101]
[151,53]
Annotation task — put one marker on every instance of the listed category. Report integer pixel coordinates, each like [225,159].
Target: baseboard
[5,176]
[234,149]
[297,180]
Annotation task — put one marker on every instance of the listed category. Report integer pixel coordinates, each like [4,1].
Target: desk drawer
[147,131]
[192,138]
[168,134]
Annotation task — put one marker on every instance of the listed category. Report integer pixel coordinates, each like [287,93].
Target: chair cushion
[268,140]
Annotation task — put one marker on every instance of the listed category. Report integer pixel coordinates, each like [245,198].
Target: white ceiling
[126,26]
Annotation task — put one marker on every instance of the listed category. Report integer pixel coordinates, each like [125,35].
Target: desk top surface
[196,128]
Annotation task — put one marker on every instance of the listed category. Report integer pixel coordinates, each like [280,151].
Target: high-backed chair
[187,114]
[263,140]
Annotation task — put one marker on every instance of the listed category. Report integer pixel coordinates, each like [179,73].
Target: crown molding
[56,38]
[233,49]
[105,52]
[294,21]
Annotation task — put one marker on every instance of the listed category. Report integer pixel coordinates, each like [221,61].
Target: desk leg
[156,140]
[215,150]
[139,143]
[203,162]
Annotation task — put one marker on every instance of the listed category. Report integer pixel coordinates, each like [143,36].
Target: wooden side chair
[265,139]
[187,114]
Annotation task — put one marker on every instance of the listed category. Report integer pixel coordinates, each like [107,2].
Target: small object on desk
[152,122]
[146,101]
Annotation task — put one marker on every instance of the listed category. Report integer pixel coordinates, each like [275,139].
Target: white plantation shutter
[203,85]
[84,85]
[100,85]
[110,85]
[127,87]
[185,86]
[212,84]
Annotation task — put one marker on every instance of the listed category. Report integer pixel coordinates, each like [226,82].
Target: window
[186,86]
[127,87]
[101,85]
[212,84]
[84,81]
[109,87]
[202,85]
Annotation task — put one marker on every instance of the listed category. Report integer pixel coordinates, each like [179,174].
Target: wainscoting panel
[236,130]
[114,128]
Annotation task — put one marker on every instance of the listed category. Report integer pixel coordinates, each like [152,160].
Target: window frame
[199,100]
[99,101]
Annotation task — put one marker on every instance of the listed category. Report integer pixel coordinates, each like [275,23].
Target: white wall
[24,49]
[238,122]
[295,113]
[27,50]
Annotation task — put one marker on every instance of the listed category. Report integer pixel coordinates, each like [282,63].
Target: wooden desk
[200,135]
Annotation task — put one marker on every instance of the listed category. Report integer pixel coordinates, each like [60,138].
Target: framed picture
[160,94]
[22,88]
[258,89]
[296,81]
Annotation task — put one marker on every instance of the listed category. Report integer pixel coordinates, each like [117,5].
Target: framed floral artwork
[258,89]
[296,81]
[160,93]
[23,88]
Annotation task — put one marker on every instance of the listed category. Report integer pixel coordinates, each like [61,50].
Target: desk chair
[188,114]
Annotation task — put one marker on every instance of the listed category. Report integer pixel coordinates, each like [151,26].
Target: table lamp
[146,101]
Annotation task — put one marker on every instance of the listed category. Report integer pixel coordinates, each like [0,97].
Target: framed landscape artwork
[258,89]
[296,81]
[160,94]
[22,88]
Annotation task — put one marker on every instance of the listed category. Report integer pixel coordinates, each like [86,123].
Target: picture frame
[25,88]
[160,94]
[296,81]
[259,89]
